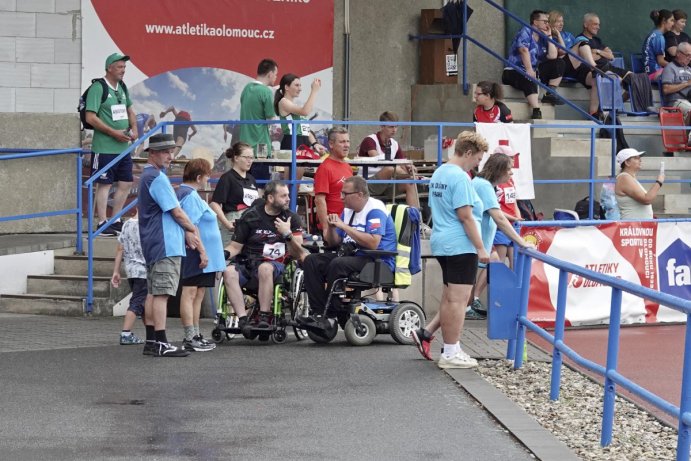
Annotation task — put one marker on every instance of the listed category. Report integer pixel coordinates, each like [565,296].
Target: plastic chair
[673,140]
[637,64]
[610,97]
[618,60]
[565,215]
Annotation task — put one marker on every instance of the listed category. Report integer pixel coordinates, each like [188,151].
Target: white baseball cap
[626,154]
[503,149]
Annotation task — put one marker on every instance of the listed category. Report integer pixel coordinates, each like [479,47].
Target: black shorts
[138,288]
[458,269]
[200,280]
[546,71]
[121,171]
[579,74]
[260,171]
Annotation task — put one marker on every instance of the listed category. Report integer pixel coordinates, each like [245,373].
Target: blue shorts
[248,276]
[121,171]
[139,291]
[500,238]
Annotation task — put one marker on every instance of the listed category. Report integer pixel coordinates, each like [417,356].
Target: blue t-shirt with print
[488,196]
[569,39]
[372,219]
[160,235]
[524,39]
[653,46]
[204,218]
[450,189]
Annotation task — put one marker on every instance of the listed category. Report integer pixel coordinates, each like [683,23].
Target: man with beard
[264,235]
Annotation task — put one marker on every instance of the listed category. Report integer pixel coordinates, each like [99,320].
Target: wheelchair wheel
[225,314]
[362,335]
[217,335]
[279,336]
[319,339]
[300,305]
[405,318]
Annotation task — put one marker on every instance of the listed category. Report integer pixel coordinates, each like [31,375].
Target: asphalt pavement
[68,391]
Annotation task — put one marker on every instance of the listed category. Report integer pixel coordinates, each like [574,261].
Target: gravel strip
[577,416]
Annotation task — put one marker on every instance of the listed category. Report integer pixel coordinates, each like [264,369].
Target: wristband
[314,144]
[659,183]
[288,237]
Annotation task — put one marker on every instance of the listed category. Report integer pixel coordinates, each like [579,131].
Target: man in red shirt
[382,146]
[329,178]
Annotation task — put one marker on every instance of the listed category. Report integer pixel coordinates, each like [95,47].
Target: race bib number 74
[274,251]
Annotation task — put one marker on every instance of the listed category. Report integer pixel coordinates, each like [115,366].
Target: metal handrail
[77,210]
[609,371]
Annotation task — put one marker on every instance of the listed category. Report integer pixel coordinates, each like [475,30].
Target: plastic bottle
[608,201]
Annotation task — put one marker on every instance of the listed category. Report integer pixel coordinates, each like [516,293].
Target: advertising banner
[516,136]
[196,56]
[653,255]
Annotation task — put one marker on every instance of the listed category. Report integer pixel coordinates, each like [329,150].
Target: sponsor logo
[576,281]
[674,271]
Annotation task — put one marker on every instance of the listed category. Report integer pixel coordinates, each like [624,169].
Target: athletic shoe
[108,231]
[168,350]
[130,339]
[550,98]
[537,114]
[193,345]
[117,226]
[460,360]
[477,305]
[423,341]
[149,348]
[472,314]
[203,341]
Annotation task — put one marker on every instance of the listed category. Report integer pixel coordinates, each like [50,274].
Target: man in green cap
[115,126]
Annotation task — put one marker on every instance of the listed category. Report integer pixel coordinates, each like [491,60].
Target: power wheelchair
[362,318]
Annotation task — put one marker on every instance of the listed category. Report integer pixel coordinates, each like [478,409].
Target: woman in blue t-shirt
[654,45]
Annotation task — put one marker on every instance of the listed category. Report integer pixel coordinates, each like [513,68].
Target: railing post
[525,296]
[90,250]
[518,269]
[591,184]
[466,86]
[683,439]
[559,321]
[612,358]
[80,244]
[440,158]
[293,166]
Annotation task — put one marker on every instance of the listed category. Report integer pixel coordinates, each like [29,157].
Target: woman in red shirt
[489,107]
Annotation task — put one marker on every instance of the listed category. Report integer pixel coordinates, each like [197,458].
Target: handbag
[305,152]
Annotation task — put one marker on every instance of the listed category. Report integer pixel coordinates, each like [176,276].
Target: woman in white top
[633,200]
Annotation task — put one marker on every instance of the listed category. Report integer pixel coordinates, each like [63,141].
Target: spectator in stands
[598,56]
[236,190]
[633,200]
[676,80]
[201,265]
[329,178]
[489,107]
[676,36]
[256,103]
[535,55]
[382,146]
[654,45]
[180,131]
[556,22]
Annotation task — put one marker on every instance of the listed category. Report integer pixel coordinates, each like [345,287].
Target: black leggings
[546,71]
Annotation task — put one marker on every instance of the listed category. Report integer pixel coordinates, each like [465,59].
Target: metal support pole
[683,439]
[591,184]
[80,244]
[559,322]
[90,249]
[525,296]
[612,358]
[466,85]
[293,166]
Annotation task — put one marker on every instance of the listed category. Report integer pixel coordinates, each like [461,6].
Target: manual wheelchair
[289,300]
[362,318]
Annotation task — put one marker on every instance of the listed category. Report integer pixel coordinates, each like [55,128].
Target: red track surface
[651,356]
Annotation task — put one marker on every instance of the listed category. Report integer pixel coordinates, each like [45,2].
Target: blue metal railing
[18,154]
[609,371]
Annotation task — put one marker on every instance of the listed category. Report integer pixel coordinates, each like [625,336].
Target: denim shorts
[138,288]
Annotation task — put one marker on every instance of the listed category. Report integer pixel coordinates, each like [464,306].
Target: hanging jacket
[408,260]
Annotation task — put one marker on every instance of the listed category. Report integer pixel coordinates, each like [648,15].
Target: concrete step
[522,112]
[675,167]
[571,147]
[38,304]
[77,265]
[69,285]
[572,91]
[677,204]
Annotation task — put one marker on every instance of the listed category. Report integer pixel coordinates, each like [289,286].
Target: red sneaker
[423,341]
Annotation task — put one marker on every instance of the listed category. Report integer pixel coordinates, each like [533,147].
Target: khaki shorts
[381,189]
[163,276]
[226,235]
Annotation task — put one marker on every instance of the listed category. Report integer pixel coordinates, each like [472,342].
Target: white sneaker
[460,360]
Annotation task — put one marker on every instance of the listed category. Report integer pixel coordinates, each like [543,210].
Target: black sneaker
[550,98]
[108,231]
[263,321]
[116,226]
[168,350]
[537,114]
[149,348]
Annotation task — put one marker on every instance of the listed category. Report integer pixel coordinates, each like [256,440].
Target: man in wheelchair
[364,224]
[264,235]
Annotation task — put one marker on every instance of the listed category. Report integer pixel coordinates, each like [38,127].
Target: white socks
[451,349]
